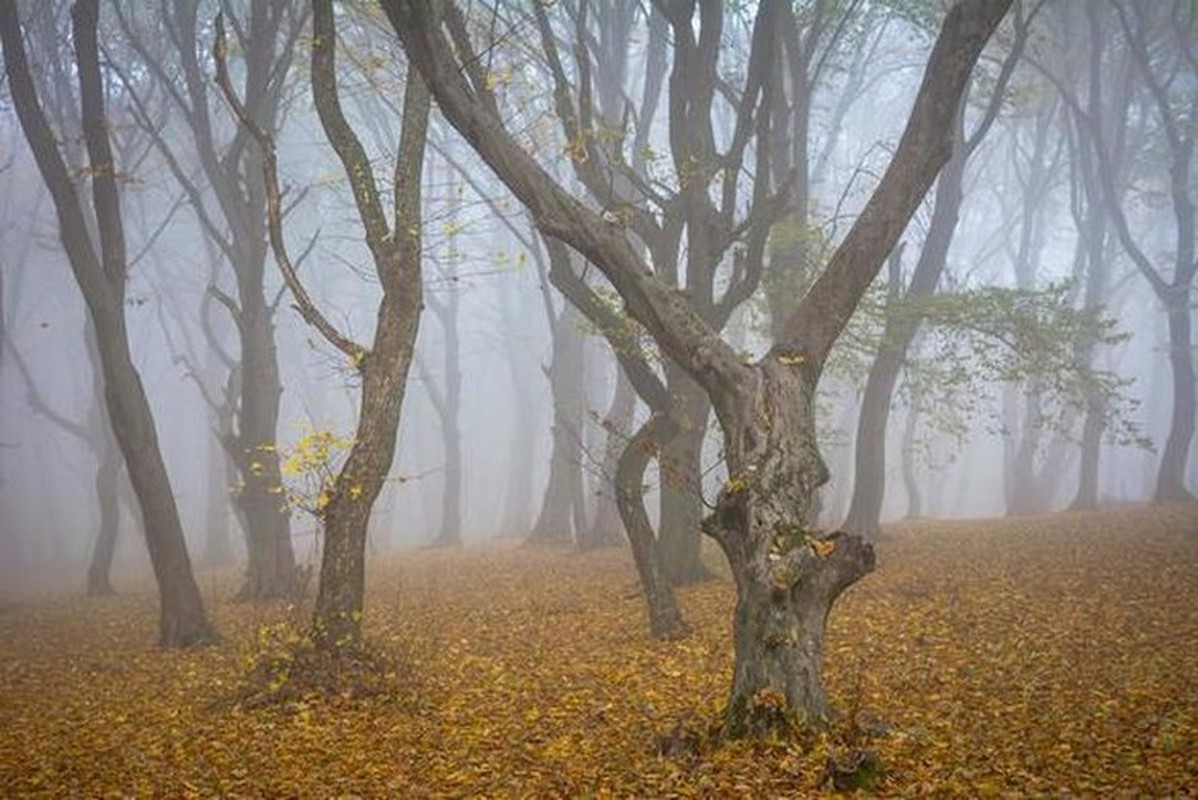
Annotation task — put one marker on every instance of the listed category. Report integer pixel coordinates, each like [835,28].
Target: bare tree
[787,575]
[232,215]
[100,265]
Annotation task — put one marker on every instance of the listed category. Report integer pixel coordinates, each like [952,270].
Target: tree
[787,575]
[99,266]
[869,478]
[395,248]
[1160,40]
[232,215]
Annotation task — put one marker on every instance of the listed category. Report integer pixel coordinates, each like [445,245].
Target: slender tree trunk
[665,620]
[218,544]
[910,481]
[606,528]
[271,571]
[555,521]
[1023,494]
[448,404]
[681,468]
[108,477]
[1170,480]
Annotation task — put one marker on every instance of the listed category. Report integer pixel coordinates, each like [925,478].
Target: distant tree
[444,300]
[869,477]
[787,575]
[100,265]
[229,203]
[395,247]
[1163,47]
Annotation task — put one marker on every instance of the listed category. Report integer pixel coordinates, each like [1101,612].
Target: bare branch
[306,307]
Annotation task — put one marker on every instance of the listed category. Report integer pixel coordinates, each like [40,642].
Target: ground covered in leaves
[1047,656]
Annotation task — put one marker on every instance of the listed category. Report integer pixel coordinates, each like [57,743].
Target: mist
[561,267]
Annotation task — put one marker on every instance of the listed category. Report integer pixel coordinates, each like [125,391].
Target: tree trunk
[665,620]
[108,476]
[218,544]
[787,576]
[681,467]
[910,481]
[271,571]
[337,619]
[555,521]
[1170,479]
[1022,494]
[606,528]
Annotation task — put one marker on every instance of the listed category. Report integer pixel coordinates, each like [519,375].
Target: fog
[490,300]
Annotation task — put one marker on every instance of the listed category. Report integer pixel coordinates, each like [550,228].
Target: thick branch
[925,146]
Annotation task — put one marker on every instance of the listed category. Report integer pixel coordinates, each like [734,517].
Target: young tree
[787,576]
[100,265]
[395,248]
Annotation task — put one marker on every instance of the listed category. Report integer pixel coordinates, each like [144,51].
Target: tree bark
[787,575]
[680,465]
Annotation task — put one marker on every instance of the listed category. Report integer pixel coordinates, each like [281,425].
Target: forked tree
[787,575]
[394,242]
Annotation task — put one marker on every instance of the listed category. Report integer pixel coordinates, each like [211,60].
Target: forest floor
[1053,655]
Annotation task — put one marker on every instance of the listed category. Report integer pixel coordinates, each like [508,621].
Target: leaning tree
[787,576]
[100,264]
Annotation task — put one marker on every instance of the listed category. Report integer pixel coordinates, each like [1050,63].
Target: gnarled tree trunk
[787,575]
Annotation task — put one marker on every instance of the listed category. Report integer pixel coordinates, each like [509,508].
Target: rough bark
[787,575]
[100,273]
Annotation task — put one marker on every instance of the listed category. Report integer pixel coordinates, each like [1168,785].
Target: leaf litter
[1053,655]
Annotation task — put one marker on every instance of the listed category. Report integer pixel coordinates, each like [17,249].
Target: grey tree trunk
[101,277]
[606,528]
[910,480]
[665,620]
[680,466]
[555,522]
